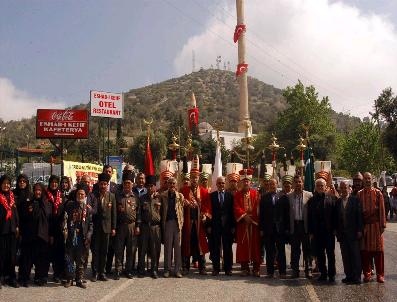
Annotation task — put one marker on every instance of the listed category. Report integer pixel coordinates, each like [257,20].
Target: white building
[228,139]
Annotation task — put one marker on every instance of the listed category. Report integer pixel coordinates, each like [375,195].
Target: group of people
[59,225]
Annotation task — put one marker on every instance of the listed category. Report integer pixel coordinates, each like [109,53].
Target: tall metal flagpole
[245,121]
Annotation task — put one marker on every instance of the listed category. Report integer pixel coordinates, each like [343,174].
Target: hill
[217,97]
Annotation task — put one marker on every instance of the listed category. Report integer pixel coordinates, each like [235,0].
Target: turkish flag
[241,68]
[193,117]
[238,31]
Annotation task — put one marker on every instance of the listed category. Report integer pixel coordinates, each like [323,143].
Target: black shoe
[102,277]
[94,277]
[356,282]
[154,275]
[322,278]
[56,280]
[67,284]
[13,283]
[346,280]
[80,284]
[25,283]
[129,275]
[117,276]
[331,279]
[141,275]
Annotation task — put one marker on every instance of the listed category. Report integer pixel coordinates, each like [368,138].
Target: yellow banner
[76,170]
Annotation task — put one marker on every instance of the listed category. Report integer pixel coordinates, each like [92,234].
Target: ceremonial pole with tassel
[242,67]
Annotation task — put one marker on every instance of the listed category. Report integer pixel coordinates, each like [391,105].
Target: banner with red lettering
[106,104]
[55,123]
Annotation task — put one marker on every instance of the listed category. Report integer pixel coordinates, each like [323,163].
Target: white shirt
[298,202]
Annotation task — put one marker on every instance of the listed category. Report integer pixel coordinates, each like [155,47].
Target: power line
[329,88]
[229,43]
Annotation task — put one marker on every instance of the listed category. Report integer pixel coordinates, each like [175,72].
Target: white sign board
[106,104]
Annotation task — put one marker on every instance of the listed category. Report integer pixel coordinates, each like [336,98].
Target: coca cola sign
[68,124]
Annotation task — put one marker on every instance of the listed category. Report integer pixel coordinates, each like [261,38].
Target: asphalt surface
[222,288]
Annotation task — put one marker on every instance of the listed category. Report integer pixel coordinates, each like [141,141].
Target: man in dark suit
[322,220]
[222,228]
[104,226]
[274,227]
[349,233]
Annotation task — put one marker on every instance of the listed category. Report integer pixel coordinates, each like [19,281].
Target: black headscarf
[22,194]
[56,178]
[42,213]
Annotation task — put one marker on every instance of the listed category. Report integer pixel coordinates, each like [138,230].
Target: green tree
[305,108]
[362,151]
[158,146]
[386,112]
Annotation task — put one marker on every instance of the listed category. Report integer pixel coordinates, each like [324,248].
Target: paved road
[221,288]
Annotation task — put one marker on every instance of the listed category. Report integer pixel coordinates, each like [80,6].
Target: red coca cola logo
[66,115]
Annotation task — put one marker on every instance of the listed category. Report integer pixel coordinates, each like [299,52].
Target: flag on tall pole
[217,166]
[309,170]
[149,167]
[193,113]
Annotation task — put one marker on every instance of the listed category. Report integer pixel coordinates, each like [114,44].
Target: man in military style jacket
[104,226]
[150,238]
[128,226]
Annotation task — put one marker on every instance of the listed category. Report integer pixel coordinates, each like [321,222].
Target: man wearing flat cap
[127,227]
[104,226]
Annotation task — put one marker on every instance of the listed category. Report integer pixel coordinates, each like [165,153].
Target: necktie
[221,198]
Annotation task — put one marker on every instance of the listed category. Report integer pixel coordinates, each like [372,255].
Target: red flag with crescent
[149,168]
[241,68]
[193,117]
[238,31]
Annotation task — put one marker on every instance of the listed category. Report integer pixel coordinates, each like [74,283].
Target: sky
[52,53]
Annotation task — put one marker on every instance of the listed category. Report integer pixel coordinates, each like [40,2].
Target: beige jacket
[179,202]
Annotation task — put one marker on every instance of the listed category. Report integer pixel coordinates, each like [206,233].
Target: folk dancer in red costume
[374,225]
[246,208]
[197,214]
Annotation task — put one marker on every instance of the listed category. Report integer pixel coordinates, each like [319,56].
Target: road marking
[312,293]
[116,291]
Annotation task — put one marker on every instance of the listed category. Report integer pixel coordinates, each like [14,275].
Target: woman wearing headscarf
[24,202]
[57,249]
[8,232]
[23,196]
[35,237]
[22,192]
[66,188]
